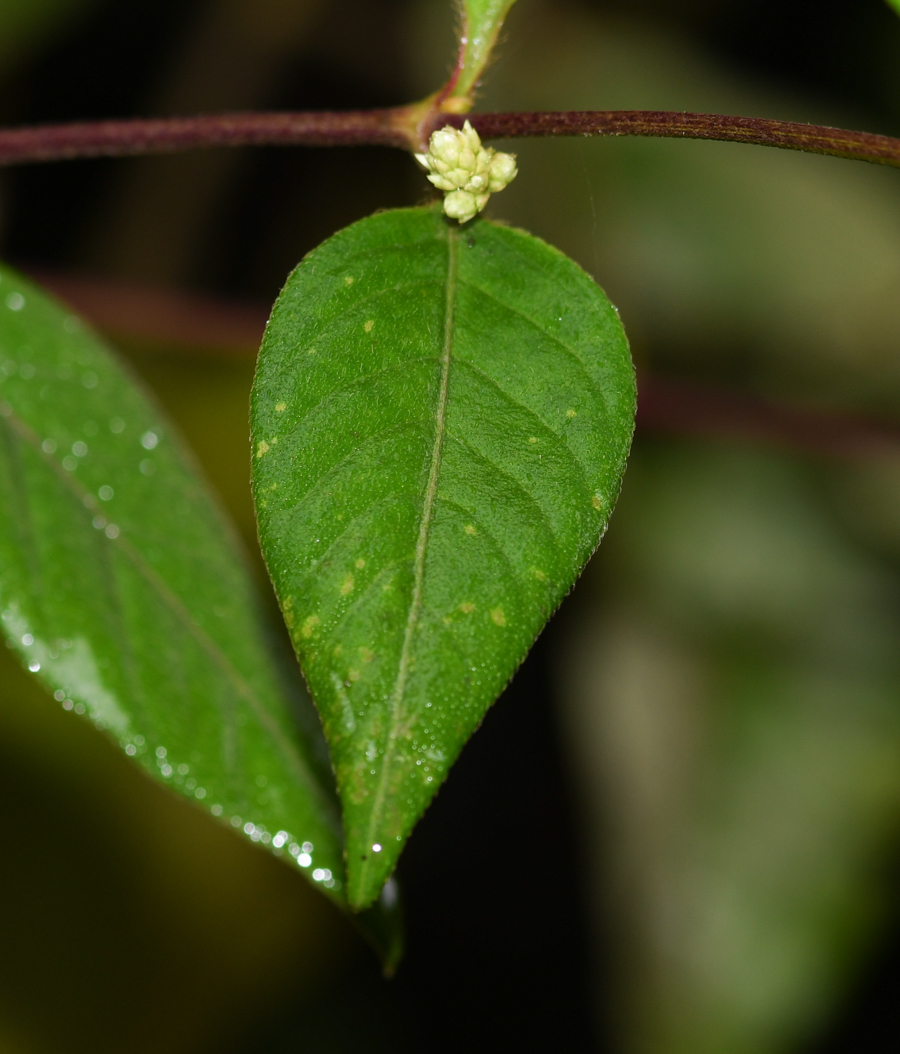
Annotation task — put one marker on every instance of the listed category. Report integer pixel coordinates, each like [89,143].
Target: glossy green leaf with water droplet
[123,588]
[440,421]
[482,21]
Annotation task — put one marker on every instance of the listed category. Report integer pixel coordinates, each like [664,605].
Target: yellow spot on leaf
[366,654]
[498,617]
[539,574]
[288,604]
[368,326]
[337,651]
[309,625]
[353,675]
[597,502]
[310,351]
[280,408]
[347,585]
[360,564]
[571,413]
[533,439]
[262,447]
[470,528]
[348,279]
[467,608]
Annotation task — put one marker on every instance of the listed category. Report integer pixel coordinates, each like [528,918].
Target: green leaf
[440,419]
[482,21]
[123,588]
[895,4]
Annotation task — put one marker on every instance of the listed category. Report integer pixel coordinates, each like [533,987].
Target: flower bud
[460,205]
[503,171]
[465,170]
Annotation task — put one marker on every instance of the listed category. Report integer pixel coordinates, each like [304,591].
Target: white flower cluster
[457,163]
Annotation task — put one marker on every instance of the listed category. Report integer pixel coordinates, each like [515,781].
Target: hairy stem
[61,142]
[787,135]
[408,127]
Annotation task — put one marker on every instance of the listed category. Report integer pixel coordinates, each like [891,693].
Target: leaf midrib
[415,606]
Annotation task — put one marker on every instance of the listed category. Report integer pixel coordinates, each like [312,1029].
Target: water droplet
[59,696]
[112,531]
[99,522]
[89,379]
[139,740]
[199,793]
[318,874]
[79,448]
[116,425]
[28,640]
[15,301]
[216,810]
[105,493]
[160,752]
[149,440]
[67,704]
[79,708]
[304,859]
[49,446]
[34,666]
[376,848]
[147,467]
[307,847]
[131,750]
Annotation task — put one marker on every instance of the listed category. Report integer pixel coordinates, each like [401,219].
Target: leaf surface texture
[123,588]
[440,421]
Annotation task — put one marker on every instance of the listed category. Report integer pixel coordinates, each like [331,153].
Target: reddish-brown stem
[408,127]
[60,142]
[788,135]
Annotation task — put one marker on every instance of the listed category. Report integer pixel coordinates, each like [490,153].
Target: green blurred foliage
[732,691]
